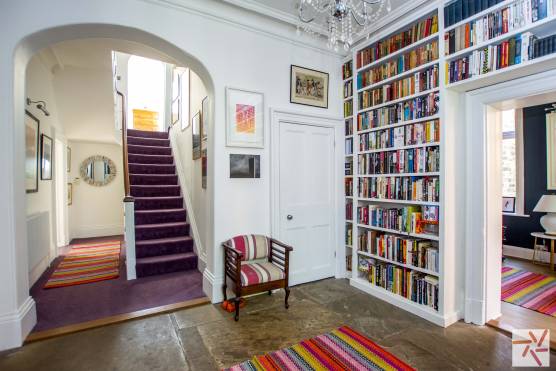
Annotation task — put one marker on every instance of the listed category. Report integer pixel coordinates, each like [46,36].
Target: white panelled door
[306,199]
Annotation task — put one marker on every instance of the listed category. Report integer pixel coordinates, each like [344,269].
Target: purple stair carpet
[162,241]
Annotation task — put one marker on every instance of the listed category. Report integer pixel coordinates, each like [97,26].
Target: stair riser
[142,234]
[147,159]
[156,218]
[147,134]
[167,248]
[155,191]
[153,180]
[144,270]
[152,169]
[158,204]
[148,142]
[145,150]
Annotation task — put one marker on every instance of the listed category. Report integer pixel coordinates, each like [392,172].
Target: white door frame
[278,116]
[482,264]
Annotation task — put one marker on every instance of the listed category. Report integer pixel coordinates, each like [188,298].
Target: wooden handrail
[128,196]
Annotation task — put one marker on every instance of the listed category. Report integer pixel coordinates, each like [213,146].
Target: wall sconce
[40,105]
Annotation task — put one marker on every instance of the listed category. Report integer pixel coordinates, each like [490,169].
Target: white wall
[96,211]
[42,249]
[224,45]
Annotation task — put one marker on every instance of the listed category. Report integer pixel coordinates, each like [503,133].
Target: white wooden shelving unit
[450,302]
[348,121]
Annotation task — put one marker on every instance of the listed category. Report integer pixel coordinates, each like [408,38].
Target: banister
[127,196]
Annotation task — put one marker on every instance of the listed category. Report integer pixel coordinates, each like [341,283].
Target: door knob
[289,217]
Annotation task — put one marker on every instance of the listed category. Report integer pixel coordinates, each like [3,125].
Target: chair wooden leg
[236,302]
[224,289]
[269,292]
[287,296]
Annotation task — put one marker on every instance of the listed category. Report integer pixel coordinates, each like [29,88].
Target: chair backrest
[253,246]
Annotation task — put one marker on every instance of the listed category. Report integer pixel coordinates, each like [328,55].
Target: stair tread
[154,185]
[158,198]
[144,145]
[141,174]
[159,225]
[148,155]
[165,258]
[157,241]
[161,211]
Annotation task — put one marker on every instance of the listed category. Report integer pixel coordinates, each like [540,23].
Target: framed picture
[68,159]
[244,118]
[176,96]
[70,194]
[184,101]
[508,204]
[204,164]
[196,133]
[31,153]
[204,123]
[245,166]
[46,157]
[308,87]
[551,151]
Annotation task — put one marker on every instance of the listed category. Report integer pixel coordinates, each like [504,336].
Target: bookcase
[402,134]
[348,85]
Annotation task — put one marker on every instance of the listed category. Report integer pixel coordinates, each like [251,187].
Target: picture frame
[204,123]
[551,151]
[46,157]
[508,204]
[176,96]
[244,118]
[204,165]
[196,135]
[308,87]
[32,133]
[70,194]
[245,166]
[68,159]
[185,104]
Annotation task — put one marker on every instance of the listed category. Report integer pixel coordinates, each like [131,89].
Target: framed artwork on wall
[244,118]
[551,151]
[46,157]
[196,133]
[204,164]
[245,166]
[204,123]
[308,87]
[31,153]
[68,159]
[70,194]
[508,204]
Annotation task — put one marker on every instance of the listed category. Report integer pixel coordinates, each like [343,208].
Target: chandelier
[345,19]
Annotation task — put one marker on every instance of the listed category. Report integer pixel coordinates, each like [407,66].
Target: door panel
[306,194]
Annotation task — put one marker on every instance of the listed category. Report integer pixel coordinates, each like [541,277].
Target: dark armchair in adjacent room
[255,264]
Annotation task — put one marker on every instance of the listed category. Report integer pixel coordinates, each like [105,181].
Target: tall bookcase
[348,91]
[407,108]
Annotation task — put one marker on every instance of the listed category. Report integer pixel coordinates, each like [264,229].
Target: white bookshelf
[347,250]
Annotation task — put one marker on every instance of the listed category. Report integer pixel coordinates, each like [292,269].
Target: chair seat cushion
[254,273]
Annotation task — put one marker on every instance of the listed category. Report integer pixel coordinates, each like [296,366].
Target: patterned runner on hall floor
[529,290]
[87,263]
[341,349]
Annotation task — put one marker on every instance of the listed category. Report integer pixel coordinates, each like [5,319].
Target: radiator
[38,238]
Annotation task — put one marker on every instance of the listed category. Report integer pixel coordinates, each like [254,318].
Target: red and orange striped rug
[87,263]
[529,290]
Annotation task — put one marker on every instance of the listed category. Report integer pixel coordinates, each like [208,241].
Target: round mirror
[98,170]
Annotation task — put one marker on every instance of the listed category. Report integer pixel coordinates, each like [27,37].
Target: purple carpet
[75,304]
[163,244]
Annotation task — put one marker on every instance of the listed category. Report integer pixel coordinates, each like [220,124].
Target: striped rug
[341,349]
[87,263]
[529,290]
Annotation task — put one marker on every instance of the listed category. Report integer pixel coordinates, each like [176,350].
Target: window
[512,157]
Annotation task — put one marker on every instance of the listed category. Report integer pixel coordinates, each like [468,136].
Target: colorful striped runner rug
[87,263]
[341,349]
[529,290]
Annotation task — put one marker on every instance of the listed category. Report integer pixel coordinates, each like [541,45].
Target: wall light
[40,105]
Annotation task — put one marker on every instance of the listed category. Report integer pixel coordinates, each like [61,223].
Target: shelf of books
[348,81]
[484,38]
[396,168]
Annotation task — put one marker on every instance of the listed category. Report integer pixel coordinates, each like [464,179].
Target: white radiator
[38,244]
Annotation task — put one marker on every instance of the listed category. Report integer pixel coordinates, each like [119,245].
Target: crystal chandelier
[345,19]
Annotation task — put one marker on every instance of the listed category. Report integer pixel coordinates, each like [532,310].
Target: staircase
[162,241]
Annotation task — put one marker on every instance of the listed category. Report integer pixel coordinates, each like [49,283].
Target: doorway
[61,199]
[306,195]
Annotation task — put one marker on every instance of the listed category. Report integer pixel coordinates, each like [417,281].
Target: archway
[17,303]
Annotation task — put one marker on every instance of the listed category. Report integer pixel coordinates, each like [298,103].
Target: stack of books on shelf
[419,107]
[408,135]
[405,62]
[416,32]
[401,161]
[348,263]
[349,186]
[401,219]
[348,108]
[349,126]
[349,210]
[417,287]
[403,188]
[417,83]
[458,10]
[349,146]
[349,235]
[348,89]
[347,70]
[348,166]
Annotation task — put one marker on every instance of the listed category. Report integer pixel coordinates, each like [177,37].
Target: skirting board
[15,327]
[523,253]
[97,231]
[212,286]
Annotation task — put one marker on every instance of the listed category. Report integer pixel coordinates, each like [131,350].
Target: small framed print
[68,159]
[70,194]
[508,205]
[204,165]
[308,87]
[31,153]
[244,118]
[245,166]
[196,133]
[204,123]
[46,157]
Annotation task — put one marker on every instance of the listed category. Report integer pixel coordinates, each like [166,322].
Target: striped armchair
[254,264]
